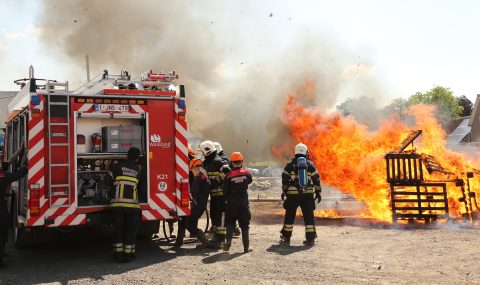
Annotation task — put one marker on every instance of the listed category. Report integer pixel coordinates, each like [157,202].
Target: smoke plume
[238,60]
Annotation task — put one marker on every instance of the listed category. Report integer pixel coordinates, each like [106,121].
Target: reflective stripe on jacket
[290,178]
[216,169]
[126,177]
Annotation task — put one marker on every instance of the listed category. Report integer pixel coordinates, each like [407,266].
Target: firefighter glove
[284,188]
[318,196]
[283,196]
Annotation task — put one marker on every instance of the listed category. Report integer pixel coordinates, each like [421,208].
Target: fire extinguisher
[96,142]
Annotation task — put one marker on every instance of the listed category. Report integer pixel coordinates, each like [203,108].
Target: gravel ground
[348,251]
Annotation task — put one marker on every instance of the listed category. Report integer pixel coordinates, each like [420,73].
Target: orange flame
[350,158]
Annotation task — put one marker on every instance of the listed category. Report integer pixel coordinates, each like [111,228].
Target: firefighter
[5,180]
[181,223]
[216,169]
[124,206]
[199,191]
[182,220]
[301,187]
[224,157]
[235,188]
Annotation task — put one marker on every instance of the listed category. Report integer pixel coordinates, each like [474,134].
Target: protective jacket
[126,176]
[216,169]
[290,179]
[235,186]
[199,189]
[225,158]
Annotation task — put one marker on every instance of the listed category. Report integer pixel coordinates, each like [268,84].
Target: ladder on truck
[58,122]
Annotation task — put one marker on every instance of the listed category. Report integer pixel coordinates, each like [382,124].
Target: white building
[5,99]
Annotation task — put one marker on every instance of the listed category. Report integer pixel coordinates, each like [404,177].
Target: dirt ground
[348,251]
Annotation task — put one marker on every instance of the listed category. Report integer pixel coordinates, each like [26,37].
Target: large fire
[350,157]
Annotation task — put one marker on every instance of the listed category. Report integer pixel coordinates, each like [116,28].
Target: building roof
[458,135]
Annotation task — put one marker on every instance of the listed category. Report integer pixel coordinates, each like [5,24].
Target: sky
[411,46]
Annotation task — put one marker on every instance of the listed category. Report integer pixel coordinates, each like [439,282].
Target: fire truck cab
[73,138]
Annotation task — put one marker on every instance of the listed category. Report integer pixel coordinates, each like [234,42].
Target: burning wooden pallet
[412,196]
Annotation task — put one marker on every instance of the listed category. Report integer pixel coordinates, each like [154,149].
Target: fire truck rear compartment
[93,161]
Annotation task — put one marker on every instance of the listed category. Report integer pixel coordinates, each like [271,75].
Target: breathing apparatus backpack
[302,169]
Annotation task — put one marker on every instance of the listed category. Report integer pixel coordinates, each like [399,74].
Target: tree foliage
[466,104]
[448,105]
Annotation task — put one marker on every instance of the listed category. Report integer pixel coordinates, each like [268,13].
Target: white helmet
[218,147]
[301,149]
[207,147]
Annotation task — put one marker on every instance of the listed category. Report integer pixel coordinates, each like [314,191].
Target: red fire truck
[73,138]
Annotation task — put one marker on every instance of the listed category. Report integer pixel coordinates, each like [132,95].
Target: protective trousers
[242,214]
[3,230]
[125,225]
[307,204]
[190,223]
[217,210]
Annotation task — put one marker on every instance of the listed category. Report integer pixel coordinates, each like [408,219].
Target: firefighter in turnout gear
[301,187]
[235,188]
[124,206]
[182,220]
[216,169]
[199,191]
[224,157]
[6,179]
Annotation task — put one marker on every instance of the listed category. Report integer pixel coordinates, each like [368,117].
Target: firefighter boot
[284,240]
[309,242]
[203,239]
[310,236]
[228,243]
[218,240]
[212,229]
[180,237]
[236,231]
[129,253]
[118,252]
[246,241]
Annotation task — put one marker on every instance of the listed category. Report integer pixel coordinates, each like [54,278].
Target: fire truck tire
[148,229]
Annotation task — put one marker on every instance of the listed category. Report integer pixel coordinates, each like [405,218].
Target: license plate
[112,107]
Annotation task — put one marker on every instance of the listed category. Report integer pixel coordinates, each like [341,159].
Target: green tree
[448,105]
[466,104]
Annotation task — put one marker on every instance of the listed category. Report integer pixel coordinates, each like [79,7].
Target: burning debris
[412,196]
